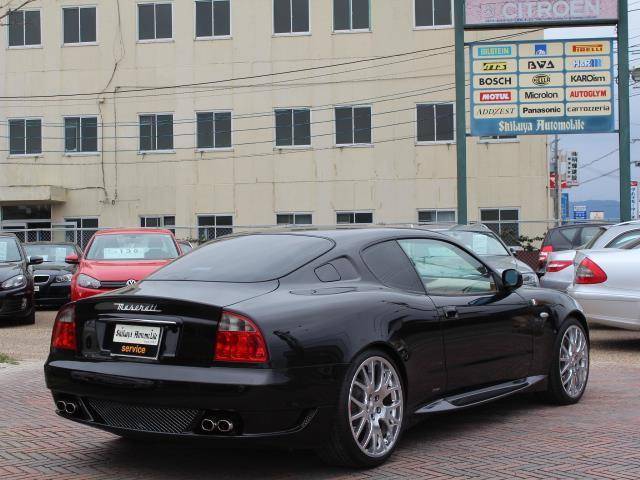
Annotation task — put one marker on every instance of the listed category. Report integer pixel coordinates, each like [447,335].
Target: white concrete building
[92,134]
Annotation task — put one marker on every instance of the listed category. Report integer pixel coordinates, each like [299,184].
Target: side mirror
[511,279]
[72,259]
[35,260]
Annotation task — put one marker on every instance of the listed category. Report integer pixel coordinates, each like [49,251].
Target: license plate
[36,288]
[136,341]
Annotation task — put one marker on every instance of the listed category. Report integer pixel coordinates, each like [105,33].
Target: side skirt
[478,397]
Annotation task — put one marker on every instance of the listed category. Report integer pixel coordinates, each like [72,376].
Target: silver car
[487,245]
[606,286]
[559,269]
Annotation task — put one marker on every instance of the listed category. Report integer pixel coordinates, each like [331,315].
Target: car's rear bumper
[613,309]
[555,284]
[293,407]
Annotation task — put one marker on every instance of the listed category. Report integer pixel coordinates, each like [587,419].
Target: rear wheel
[570,366]
[370,413]
[29,319]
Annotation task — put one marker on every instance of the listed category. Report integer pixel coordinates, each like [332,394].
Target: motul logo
[589,93]
[588,48]
[495,96]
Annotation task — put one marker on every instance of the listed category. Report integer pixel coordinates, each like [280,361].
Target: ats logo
[495,96]
[494,66]
[588,48]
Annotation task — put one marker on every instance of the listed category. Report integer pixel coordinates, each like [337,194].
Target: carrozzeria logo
[494,66]
[588,48]
[496,96]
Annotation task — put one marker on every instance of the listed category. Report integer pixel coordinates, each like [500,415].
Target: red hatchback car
[117,258]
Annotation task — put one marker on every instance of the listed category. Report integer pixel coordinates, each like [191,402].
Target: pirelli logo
[588,48]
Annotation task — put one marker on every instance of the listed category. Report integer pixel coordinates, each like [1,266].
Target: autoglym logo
[494,66]
[496,96]
[137,307]
[590,93]
[588,48]
[541,80]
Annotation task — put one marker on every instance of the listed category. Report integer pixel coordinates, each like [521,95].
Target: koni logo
[588,48]
[496,96]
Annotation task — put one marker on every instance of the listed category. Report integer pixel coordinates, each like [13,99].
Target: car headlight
[66,278]
[15,282]
[530,279]
[85,281]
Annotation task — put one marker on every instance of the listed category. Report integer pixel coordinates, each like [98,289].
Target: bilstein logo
[494,66]
[494,51]
[136,307]
[588,48]
[495,96]
[541,79]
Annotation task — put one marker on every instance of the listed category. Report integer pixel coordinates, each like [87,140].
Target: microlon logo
[495,96]
[588,48]
[541,80]
[494,66]
[542,95]
[594,93]
[136,307]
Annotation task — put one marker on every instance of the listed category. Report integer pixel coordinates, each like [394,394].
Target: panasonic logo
[136,307]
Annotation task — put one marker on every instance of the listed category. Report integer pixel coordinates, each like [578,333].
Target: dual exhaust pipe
[66,407]
[222,425]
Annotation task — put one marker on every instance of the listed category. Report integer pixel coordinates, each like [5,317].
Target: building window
[159,221]
[294,219]
[25,136]
[211,227]
[213,18]
[436,216]
[353,125]
[214,130]
[293,127]
[80,134]
[24,28]
[155,21]
[498,138]
[84,230]
[504,222]
[350,15]
[156,133]
[435,122]
[79,25]
[346,218]
[433,13]
[290,16]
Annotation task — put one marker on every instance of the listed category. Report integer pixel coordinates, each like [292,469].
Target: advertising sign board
[542,87]
[579,212]
[520,13]
[634,200]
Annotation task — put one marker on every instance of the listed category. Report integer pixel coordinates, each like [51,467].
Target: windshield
[9,250]
[135,246]
[50,253]
[252,258]
[480,243]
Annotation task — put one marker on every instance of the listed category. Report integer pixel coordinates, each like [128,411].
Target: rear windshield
[132,246]
[595,238]
[50,253]
[252,258]
[9,251]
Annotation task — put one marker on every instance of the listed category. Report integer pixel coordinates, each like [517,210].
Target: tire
[29,319]
[378,418]
[567,392]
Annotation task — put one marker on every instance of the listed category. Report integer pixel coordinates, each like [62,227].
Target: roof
[359,233]
[115,231]
[70,244]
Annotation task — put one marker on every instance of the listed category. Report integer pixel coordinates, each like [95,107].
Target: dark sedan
[53,277]
[331,340]
[16,282]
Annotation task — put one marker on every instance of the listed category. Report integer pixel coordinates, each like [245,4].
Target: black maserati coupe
[331,340]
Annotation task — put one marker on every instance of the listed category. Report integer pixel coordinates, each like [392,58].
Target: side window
[589,233]
[446,269]
[624,239]
[392,267]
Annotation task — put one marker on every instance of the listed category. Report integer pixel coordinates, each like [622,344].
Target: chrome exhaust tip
[208,425]
[61,406]
[70,408]
[225,426]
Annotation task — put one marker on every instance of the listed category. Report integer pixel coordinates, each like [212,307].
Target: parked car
[333,340]
[559,270]
[52,278]
[567,237]
[485,243]
[17,304]
[185,246]
[606,285]
[116,258]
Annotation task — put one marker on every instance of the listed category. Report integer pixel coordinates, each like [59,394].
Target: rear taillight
[589,273]
[544,254]
[63,336]
[239,340]
[557,265]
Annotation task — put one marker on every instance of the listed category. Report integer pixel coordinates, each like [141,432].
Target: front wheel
[370,413]
[570,366]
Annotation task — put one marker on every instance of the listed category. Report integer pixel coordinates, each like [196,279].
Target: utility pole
[624,134]
[461,113]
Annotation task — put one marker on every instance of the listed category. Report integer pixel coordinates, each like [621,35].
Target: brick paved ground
[515,438]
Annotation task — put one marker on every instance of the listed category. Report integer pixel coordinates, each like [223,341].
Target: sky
[593,146]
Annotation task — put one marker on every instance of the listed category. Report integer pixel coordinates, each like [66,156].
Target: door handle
[450,312]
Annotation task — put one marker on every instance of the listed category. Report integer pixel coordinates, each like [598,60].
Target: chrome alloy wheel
[375,406]
[574,361]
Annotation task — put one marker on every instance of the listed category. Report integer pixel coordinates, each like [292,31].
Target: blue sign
[579,212]
[542,87]
[565,206]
